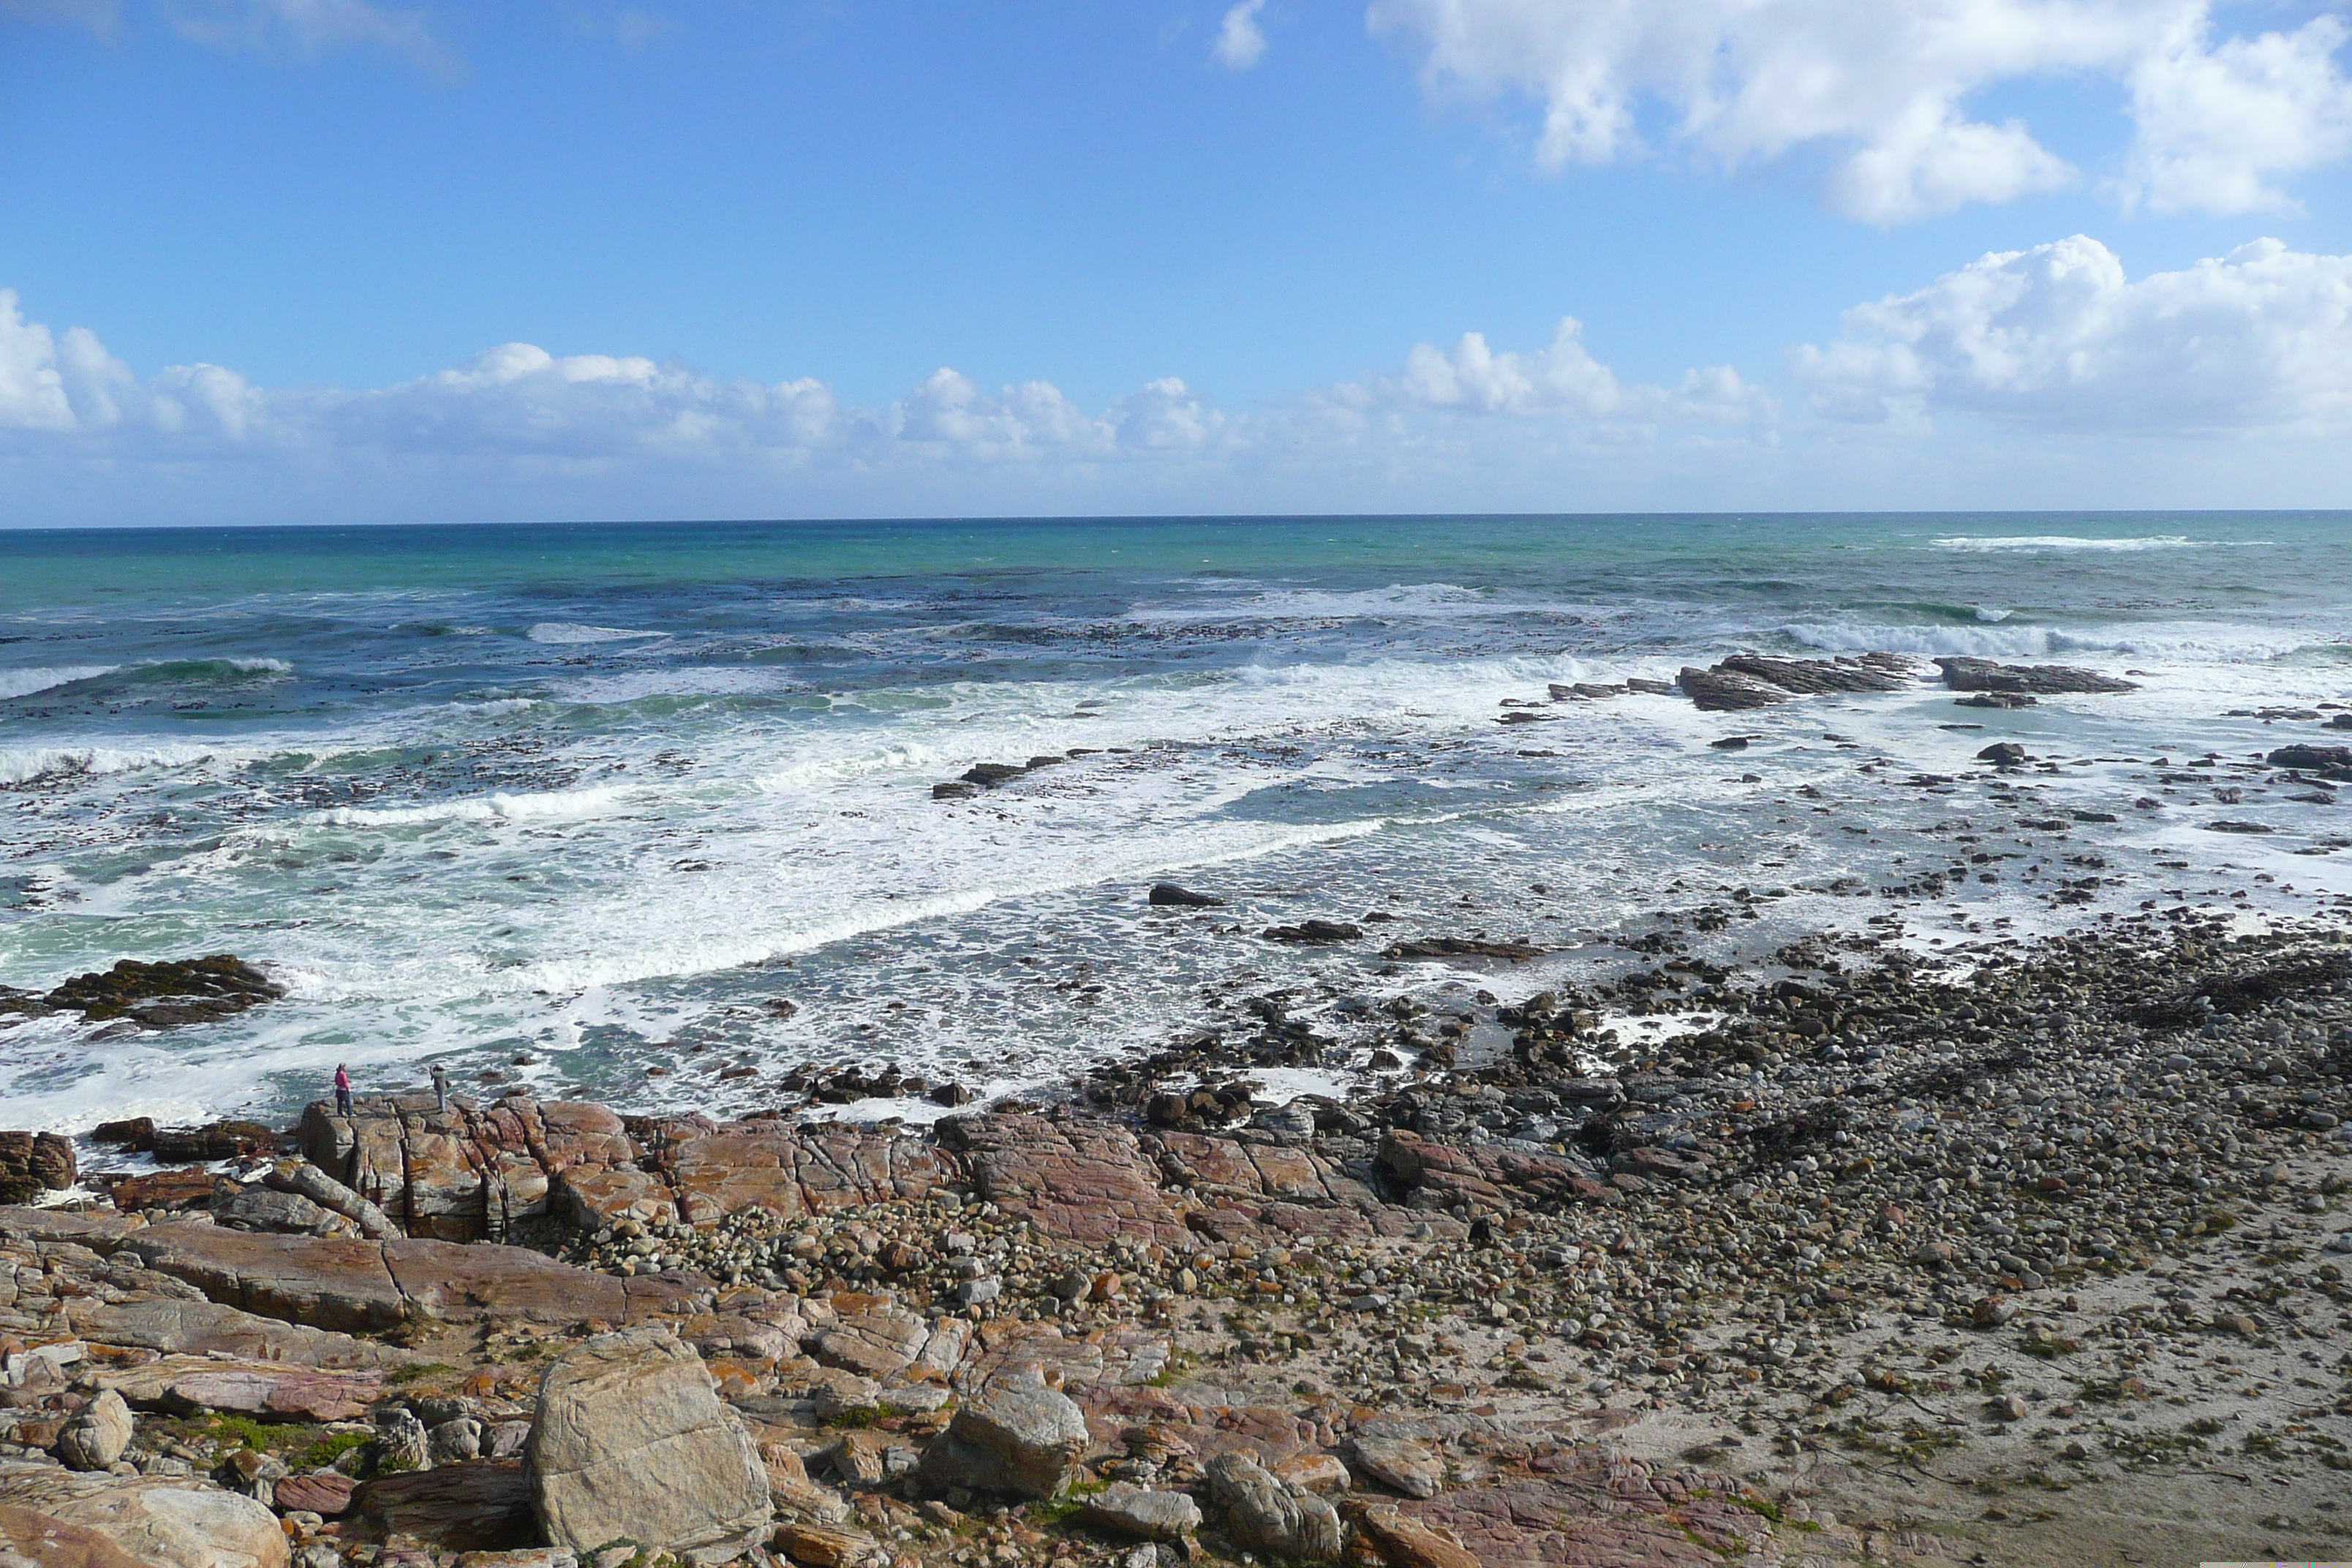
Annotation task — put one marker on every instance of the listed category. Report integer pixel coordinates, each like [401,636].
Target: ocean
[625,811]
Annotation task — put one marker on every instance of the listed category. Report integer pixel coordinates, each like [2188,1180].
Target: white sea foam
[548,806]
[23,766]
[1987,543]
[682,680]
[259,666]
[1402,601]
[560,633]
[25,683]
[2003,640]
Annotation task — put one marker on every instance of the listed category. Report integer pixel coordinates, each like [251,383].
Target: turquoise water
[598,795]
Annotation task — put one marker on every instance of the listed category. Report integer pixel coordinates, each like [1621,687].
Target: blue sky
[748,237]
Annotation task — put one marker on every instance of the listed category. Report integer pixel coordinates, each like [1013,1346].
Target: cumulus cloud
[2217,119]
[62,391]
[517,410]
[2259,340]
[312,27]
[1241,42]
[1562,379]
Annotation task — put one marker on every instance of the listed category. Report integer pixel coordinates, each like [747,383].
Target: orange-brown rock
[1081,1180]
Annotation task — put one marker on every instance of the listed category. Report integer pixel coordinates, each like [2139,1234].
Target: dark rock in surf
[2312,759]
[1730,743]
[32,1163]
[958,790]
[160,995]
[1997,699]
[136,1133]
[988,775]
[1719,692]
[1169,895]
[1461,947]
[1812,677]
[1650,687]
[1312,933]
[2044,680]
[2004,753]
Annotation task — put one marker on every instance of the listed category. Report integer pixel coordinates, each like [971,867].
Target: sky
[359,261]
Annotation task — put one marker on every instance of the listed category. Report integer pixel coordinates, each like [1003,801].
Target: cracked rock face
[1264,1512]
[1014,1437]
[632,1442]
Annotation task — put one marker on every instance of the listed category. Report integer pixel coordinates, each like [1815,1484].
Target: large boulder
[1015,1436]
[1263,1512]
[97,1435]
[162,1521]
[632,1443]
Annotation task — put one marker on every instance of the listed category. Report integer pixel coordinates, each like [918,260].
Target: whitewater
[614,811]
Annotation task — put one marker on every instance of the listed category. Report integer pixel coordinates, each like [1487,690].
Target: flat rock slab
[353,1286]
[460,1283]
[46,1541]
[1083,1182]
[794,1171]
[325,1284]
[183,1383]
[1408,1465]
[163,1523]
[206,1328]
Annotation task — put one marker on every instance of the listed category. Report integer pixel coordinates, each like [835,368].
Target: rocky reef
[1867,1262]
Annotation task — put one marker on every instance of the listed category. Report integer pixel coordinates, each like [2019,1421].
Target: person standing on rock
[441,1085]
[342,1089]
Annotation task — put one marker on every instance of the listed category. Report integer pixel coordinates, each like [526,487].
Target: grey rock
[453,1442]
[287,1213]
[306,1180]
[166,1523]
[97,1435]
[1407,1464]
[632,1440]
[401,1442]
[1266,1513]
[1130,1510]
[1016,1437]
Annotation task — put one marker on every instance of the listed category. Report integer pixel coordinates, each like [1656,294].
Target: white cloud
[1888,86]
[312,27]
[2216,123]
[1561,380]
[2058,338]
[1241,42]
[517,411]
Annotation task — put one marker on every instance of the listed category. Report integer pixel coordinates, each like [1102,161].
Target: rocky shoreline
[1853,1259]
